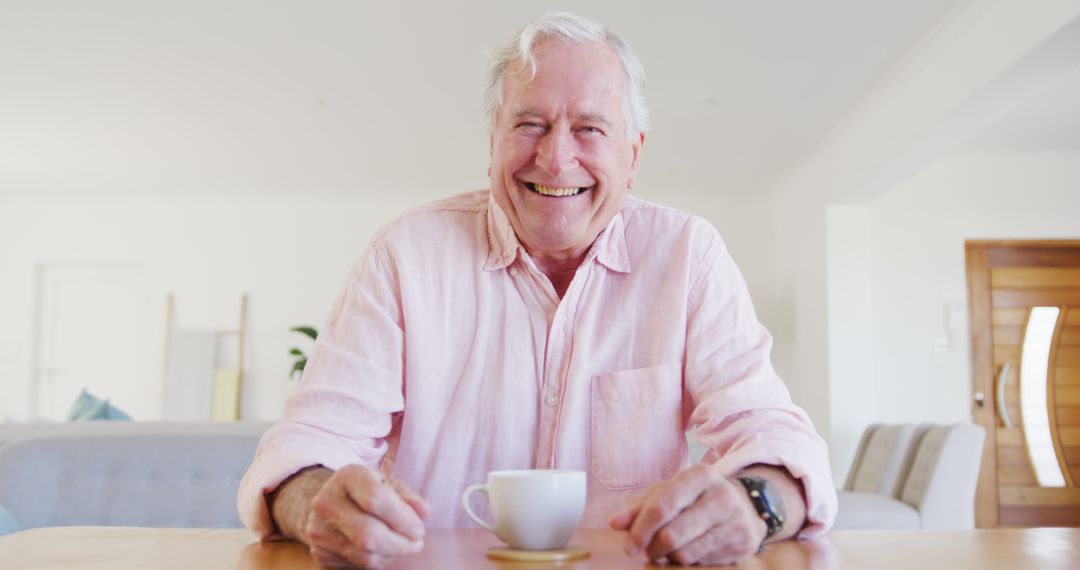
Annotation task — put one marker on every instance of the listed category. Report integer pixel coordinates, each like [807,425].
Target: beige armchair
[913,477]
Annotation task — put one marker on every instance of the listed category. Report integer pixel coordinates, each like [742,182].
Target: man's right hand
[355,516]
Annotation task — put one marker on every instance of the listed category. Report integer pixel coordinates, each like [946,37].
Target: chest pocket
[636,432]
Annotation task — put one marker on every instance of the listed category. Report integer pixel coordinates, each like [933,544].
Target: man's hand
[355,516]
[701,517]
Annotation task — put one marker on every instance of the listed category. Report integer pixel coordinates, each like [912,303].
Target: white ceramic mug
[534,509]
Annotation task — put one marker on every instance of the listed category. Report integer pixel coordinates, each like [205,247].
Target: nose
[557,152]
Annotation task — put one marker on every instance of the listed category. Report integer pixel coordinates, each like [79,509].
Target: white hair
[576,29]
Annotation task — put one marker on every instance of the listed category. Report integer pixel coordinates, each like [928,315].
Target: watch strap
[767,502]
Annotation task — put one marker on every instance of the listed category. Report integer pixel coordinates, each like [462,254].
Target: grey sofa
[15,431]
[125,474]
[910,476]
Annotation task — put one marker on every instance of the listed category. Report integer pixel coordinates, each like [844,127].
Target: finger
[712,543]
[624,517]
[365,559]
[329,559]
[722,545]
[338,547]
[735,536]
[377,498]
[418,504]
[323,536]
[338,527]
[367,533]
[327,544]
[662,506]
[351,558]
[692,523]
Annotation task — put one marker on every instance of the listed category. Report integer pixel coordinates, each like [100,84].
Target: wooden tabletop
[117,548]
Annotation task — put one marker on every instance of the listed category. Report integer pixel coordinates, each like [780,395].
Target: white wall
[896,268]
[291,256]
[852,396]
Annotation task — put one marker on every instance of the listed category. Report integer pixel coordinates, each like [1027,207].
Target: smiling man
[550,322]
[563,151]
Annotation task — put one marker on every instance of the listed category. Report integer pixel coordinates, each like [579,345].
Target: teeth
[549,191]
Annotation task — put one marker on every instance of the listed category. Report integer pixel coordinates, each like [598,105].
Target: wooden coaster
[562,555]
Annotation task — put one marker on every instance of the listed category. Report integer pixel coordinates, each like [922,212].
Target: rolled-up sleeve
[741,410]
[344,406]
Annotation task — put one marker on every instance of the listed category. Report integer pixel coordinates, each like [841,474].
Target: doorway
[1025,324]
[91,334]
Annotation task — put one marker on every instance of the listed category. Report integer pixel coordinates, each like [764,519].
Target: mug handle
[468,510]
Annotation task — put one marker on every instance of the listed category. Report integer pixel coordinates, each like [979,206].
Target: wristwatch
[766,499]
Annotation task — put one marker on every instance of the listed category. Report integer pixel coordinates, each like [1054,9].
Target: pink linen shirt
[448,354]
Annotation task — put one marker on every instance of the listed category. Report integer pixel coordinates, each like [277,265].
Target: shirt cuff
[270,468]
[821,502]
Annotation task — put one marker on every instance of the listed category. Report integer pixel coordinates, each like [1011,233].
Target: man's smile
[552,191]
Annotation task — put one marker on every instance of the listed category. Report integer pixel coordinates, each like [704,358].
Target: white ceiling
[348,96]
[1048,121]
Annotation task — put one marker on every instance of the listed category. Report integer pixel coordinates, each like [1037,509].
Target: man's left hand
[696,517]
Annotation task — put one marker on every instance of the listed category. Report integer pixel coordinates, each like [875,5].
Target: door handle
[1000,396]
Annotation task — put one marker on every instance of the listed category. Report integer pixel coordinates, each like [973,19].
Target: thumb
[418,504]
[624,517]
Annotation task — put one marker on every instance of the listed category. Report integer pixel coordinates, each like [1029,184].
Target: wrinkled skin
[356,516]
[696,517]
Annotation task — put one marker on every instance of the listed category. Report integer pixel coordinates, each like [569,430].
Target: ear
[635,148]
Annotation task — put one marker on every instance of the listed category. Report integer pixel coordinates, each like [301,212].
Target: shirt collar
[503,244]
[609,249]
[610,245]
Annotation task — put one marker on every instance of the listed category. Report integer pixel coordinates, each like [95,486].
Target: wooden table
[116,548]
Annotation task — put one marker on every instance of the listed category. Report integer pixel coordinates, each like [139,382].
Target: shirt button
[552,400]
[513,271]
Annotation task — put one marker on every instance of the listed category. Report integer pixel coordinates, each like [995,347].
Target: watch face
[772,496]
[766,499]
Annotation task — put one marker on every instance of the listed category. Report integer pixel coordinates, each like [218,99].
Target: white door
[91,325]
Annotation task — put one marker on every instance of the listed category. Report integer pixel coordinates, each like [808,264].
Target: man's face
[561,160]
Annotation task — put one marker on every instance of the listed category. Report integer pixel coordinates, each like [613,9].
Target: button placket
[538,286]
[549,408]
[556,368]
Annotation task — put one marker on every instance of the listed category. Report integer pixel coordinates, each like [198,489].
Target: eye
[530,127]
[592,130]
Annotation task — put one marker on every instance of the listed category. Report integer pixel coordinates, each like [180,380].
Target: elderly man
[551,322]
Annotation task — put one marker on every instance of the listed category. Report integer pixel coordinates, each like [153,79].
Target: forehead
[584,77]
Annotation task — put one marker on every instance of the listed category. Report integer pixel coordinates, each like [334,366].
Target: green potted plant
[300,359]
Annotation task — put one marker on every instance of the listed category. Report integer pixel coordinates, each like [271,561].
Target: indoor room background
[206,150]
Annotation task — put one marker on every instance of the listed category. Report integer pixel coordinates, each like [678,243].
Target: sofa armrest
[942,480]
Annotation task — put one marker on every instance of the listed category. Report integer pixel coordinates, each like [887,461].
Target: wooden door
[1025,325]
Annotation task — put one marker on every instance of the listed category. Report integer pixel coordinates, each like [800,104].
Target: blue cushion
[89,407]
[8,524]
[114,413]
